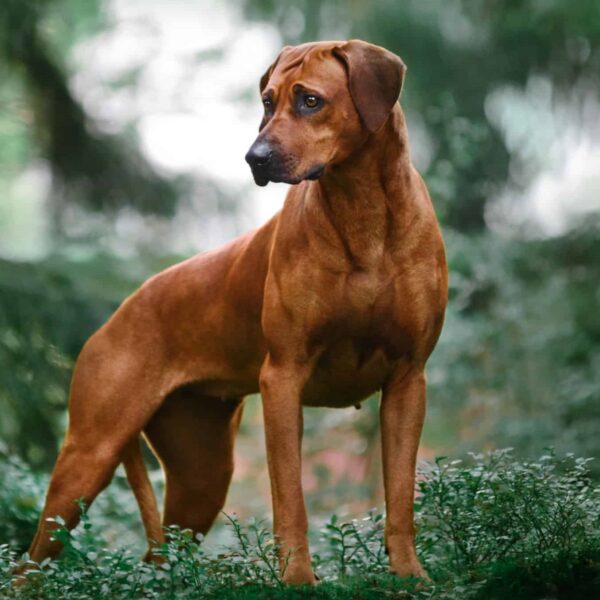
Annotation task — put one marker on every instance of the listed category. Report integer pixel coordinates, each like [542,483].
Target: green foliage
[21,494]
[517,363]
[493,509]
[488,528]
[47,311]
[98,171]
[353,548]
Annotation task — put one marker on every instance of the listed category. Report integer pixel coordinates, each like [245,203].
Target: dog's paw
[153,556]
[23,574]
[409,568]
[299,576]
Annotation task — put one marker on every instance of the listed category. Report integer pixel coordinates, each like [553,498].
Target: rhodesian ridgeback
[341,294]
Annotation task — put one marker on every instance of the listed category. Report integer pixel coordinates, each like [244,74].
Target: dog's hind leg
[193,437]
[114,392]
[137,475]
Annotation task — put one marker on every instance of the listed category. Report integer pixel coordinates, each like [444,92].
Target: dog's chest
[359,338]
[363,301]
[355,321]
[347,371]
[364,289]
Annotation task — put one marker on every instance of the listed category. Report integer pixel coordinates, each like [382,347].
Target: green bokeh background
[491,87]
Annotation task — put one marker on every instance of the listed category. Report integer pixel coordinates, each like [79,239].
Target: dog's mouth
[315,172]
[263,176]
[260,178]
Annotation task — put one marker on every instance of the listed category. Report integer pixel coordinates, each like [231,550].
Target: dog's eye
[267,103]
[311,101]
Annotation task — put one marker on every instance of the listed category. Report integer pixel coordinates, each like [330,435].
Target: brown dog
[339,295]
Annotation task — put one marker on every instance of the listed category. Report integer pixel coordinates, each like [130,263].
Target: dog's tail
[137,475]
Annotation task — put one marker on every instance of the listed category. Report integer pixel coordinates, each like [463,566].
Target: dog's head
[321,101]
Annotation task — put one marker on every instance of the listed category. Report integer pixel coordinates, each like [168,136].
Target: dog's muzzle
[268,164]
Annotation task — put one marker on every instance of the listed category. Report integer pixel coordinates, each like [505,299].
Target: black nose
[260,154]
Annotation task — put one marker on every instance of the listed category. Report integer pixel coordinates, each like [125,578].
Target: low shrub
[488,527]
[511,529]
[21,494]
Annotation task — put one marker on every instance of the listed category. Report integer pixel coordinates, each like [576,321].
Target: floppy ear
[267,74]
[375,78]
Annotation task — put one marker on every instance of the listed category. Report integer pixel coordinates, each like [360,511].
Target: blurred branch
[101,172]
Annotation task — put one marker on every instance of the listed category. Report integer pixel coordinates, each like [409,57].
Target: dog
[341,294]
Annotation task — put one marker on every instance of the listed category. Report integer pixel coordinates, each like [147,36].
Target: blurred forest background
[123,126]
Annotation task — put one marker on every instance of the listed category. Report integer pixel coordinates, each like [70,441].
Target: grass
[490,527]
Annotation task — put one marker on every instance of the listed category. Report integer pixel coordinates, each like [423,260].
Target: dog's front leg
[402,414]
[280,386]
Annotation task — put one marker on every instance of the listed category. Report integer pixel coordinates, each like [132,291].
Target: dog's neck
[366,212]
